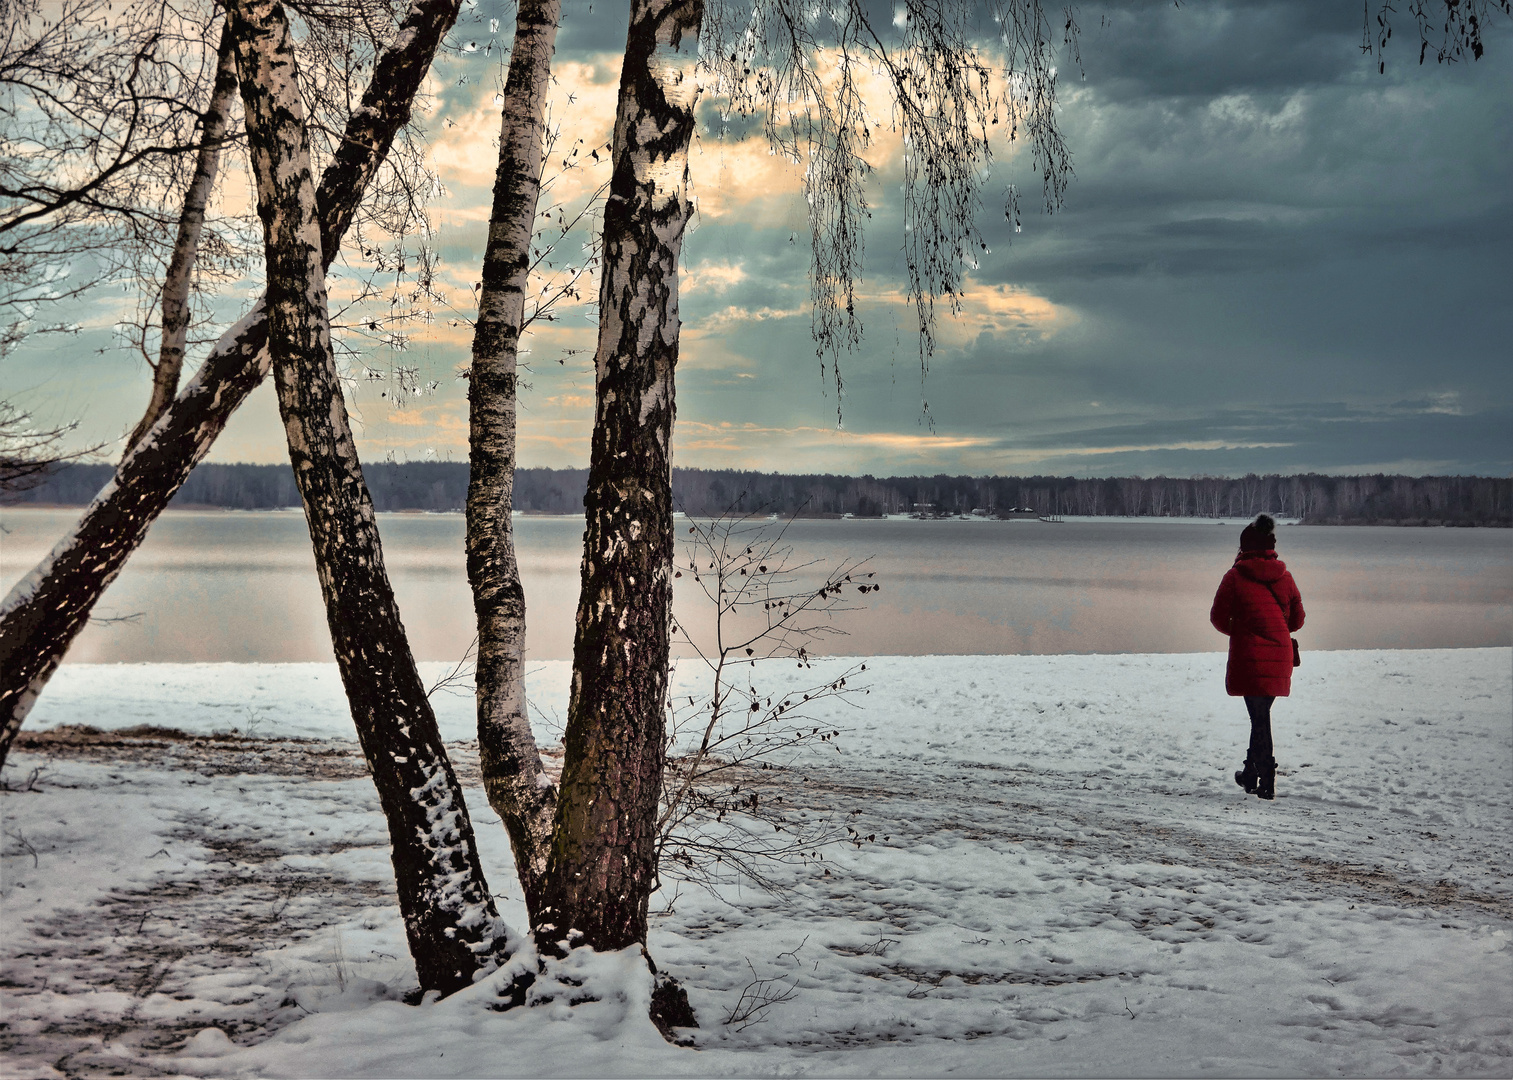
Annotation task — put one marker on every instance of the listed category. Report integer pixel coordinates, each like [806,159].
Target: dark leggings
[1260,727]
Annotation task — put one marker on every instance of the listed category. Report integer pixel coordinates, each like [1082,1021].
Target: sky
[1272,258]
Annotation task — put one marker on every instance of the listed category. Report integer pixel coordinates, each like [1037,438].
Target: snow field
[1064,881]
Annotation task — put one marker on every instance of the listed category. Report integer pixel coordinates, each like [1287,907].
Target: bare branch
[727,802]
[1450,29]
[800,70]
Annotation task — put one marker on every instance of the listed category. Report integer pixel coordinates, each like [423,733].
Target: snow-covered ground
[1064,881]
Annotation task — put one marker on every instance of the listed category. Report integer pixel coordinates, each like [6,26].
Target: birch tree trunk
[174,301]
[602,864]
[453,929]
[45,610]
[517,787]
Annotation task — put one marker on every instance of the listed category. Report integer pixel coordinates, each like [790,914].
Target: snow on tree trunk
[179,276]
[602,865]
[517,787]
[454,931]
[44,611]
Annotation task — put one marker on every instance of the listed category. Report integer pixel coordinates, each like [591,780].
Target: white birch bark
[454,932]
[517,787]
[602,864]
[174,297]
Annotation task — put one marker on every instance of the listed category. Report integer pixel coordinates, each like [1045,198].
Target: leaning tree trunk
[454,931]
[174,299]
[45,610]
[602,866]
[517,787]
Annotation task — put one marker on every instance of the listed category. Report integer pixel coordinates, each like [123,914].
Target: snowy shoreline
[305,700]
[1064,882]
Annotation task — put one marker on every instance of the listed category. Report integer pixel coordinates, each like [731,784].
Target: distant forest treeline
[1449,500]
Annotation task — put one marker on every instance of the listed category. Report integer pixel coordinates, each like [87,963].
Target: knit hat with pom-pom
[1259,535]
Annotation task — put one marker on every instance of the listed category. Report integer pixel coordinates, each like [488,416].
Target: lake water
[233,586]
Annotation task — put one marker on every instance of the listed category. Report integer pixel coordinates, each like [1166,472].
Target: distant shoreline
[1310,498]
[1079,519]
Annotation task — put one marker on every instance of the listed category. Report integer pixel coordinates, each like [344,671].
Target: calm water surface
[213,586]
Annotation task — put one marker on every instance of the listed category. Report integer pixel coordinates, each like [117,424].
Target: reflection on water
[241,586]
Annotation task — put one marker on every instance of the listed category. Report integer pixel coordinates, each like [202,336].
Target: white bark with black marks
[44,612]
[177,280]
[517,787]
[602,866]
[454,932]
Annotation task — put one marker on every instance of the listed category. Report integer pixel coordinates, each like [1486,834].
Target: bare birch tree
[453,929]
[602,864]
[179,277]
[509,759]
[45,610]
[517,786]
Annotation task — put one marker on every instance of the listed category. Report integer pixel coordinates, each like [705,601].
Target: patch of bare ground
[225,753]
[1376,885]
[231,753]
[926,981]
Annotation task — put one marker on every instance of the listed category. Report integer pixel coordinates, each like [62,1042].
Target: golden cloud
[693,434]
[580,111]
[712,277]
[733,317]
[1002,309]
[571,401]
[745,175]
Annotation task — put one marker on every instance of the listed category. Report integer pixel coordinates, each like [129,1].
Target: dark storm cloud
[1259,227]
[1152,48]
[1291,179]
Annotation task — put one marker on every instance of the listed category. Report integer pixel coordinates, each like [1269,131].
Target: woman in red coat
[1258,606]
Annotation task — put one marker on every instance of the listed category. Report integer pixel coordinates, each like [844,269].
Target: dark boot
[1266,779]
[1246,777]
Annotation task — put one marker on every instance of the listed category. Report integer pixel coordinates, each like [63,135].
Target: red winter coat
[1260,642]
